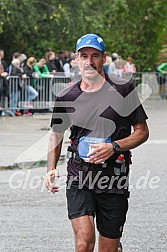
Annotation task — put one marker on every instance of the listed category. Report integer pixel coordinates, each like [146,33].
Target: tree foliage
[131,28]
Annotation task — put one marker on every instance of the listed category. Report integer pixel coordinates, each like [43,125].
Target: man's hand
[101,152]
[49,179]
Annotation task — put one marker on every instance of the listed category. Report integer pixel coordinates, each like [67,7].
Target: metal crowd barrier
[154,81]
[48,88]
[150,82]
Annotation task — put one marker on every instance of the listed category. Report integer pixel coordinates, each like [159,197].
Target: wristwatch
[116,147]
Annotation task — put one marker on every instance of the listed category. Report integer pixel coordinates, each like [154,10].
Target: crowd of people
[28,67]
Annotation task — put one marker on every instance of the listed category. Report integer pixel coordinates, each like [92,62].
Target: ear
[104,57]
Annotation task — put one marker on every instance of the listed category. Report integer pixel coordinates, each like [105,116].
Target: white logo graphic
[99,40]
[87,42]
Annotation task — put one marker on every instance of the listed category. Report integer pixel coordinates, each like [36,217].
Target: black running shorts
[109,208]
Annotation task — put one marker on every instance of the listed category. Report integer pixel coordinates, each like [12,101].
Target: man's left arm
[138,136]
[104,151]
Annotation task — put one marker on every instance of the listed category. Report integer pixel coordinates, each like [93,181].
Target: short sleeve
[138,113]
[60,120]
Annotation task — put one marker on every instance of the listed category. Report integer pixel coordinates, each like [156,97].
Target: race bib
[84,145]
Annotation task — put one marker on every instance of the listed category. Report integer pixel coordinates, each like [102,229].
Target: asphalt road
[34,220]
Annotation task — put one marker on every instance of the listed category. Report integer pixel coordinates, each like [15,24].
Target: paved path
[24,140]
[34,220]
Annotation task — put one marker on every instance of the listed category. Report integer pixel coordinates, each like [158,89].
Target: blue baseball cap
[90,40]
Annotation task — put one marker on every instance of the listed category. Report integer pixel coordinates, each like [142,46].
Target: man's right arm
[54,150]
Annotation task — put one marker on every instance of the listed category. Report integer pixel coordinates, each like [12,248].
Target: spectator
[47,51]
[28,70]
[16,55]
[66,68]
[67,65]
[3,62]
[66,58]
[50,62]
[58,63]
[115,68]
[23,58]
[3,72]
[107,64]
[129,67]
[60,55]
[42,80]
[4,89]
[162,79]
[41,69]
[16,71]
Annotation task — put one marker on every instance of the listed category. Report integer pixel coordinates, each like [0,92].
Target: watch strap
[116,147]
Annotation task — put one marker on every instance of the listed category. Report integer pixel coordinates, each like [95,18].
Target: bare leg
[108,244]
[84,231]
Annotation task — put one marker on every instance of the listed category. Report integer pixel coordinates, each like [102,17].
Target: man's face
[90,62]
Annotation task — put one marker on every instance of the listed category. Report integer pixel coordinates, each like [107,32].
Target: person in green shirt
[162,79]
[41,69]
[41,77]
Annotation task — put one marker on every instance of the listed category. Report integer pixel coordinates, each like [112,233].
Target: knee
[84,246]
[35,92]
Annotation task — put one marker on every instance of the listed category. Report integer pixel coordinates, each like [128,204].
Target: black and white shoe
[120,247]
